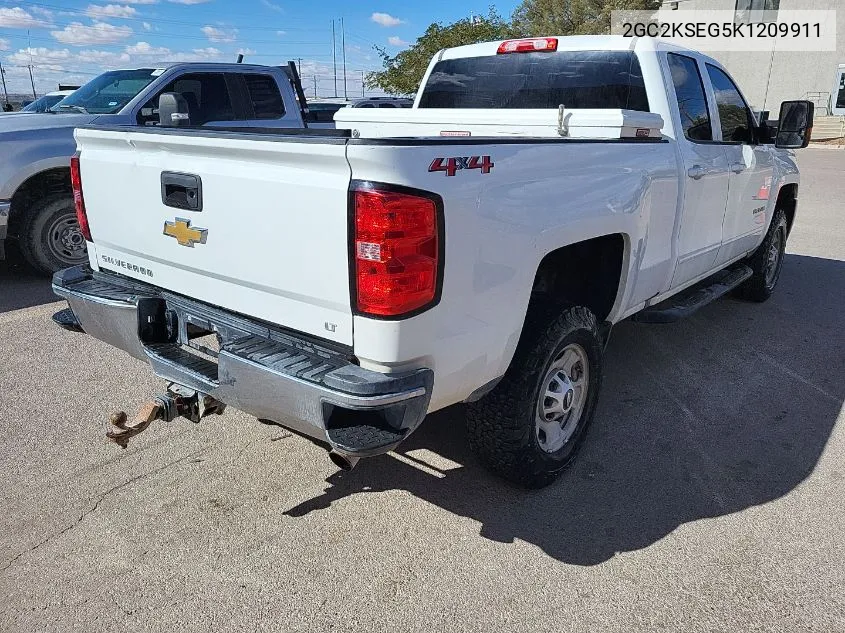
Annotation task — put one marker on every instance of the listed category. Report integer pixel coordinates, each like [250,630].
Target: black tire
[504,427]
[50,237]
[766,262]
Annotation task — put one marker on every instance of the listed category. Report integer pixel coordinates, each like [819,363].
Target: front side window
[574,79]
[692,101]
[734,116]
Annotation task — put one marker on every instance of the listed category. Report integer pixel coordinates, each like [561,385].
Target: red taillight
[396,252]
[78,201]
[532,45]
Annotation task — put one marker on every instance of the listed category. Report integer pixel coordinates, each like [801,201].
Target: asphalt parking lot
[709,495]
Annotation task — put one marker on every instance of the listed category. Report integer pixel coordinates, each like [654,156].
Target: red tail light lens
[396,252]
[532,45]
[78,201]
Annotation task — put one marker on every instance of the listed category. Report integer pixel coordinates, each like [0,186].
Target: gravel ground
[709,495]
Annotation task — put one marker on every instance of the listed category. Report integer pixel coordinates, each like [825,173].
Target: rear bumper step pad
[314,388]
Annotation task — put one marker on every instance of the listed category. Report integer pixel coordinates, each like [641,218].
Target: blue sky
[73,40]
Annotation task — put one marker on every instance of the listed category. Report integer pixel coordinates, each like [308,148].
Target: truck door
[751,170]
[705,172]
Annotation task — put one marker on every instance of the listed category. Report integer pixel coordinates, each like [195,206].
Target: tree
[403,73]
[572,17]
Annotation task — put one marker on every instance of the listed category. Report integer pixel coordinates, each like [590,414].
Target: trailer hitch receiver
[178,401]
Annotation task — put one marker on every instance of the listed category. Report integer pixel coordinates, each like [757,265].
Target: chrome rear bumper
[300,383]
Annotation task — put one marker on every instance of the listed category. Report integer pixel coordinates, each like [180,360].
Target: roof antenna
[240,58]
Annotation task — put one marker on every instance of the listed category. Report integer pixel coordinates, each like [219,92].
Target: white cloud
[145,51]
[246,51]
[43,58]
[110,11]
[78,34]
[197,55]
[42,11]
[147,26]
[17,18]
[220,35]
[4,44]
[272,6]
[281,33]
[102,58]
[396,41]
[188,1]
[385,19]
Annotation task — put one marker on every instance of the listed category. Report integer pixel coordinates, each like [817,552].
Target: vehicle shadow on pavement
[724,411]
[21,286]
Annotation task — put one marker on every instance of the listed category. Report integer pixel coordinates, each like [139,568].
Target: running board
[688,301]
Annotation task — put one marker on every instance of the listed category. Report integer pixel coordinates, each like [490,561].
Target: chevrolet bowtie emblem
[184,233]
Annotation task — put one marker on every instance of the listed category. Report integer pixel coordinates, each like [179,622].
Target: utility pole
[299,66]
[31,81]
[3,76]
[334,59]
[362,84]
[315,86]
[343,44]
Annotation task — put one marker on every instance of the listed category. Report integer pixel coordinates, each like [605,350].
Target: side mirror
[795,124]
[173,110]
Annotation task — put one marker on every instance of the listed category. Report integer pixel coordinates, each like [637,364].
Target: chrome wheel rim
[774,258]
[65,240]
[562,398]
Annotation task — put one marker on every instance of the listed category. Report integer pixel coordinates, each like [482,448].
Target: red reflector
[396,252]
[78,201]
[533,45]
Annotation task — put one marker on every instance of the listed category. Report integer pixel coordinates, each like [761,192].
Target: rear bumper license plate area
[312,388]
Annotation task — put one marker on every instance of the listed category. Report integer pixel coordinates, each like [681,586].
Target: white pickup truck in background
[476,248]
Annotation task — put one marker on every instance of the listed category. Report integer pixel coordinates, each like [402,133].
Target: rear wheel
[766,262]
[529,428]
[50,236]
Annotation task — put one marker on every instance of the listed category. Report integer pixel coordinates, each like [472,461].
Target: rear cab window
[574,79]
[265,97]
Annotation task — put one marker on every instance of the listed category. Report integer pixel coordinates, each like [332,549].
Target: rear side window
[692,102]
[575,79]
[734,115]
[265,96]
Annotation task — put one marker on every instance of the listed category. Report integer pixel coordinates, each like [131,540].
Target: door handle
[696,171]
[181,191]
[737,168]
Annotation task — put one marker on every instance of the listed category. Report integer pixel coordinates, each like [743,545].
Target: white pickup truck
[475,248]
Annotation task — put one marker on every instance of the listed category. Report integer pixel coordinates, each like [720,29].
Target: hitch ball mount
[178,401]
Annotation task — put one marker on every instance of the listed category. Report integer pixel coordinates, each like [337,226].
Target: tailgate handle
[181,191]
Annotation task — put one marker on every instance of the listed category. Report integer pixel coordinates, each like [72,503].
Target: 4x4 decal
[453,165]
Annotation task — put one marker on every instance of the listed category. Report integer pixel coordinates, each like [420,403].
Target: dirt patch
[830,141]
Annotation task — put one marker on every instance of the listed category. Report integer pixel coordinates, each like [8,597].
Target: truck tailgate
[270,240]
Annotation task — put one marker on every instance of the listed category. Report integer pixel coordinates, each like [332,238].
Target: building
[767,78]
